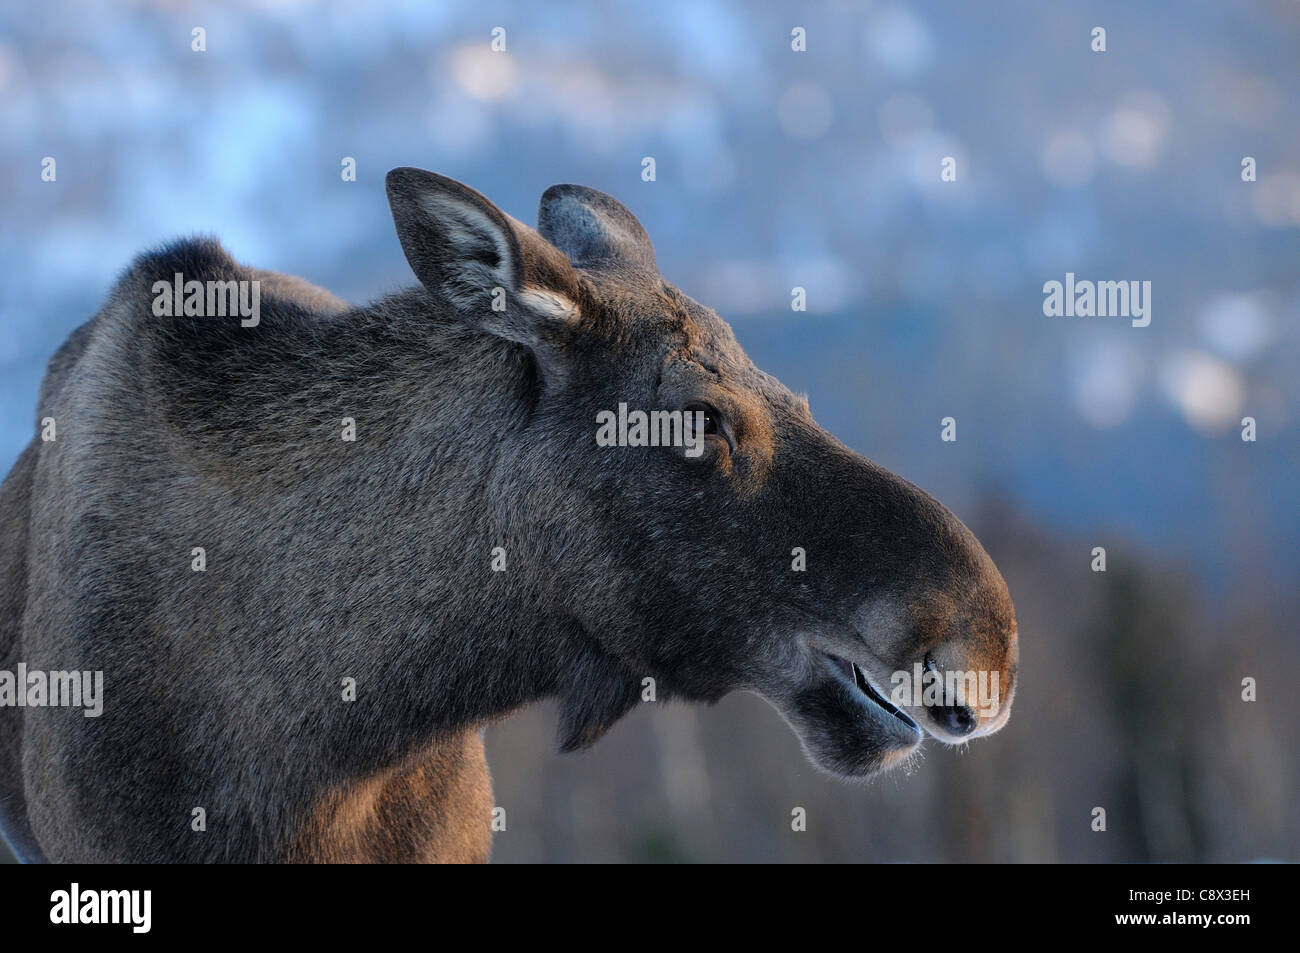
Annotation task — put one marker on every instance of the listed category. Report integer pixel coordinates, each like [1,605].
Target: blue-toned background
[819,169]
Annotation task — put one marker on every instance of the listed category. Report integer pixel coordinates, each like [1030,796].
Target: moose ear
[466,250]
[592,228]
[456,241]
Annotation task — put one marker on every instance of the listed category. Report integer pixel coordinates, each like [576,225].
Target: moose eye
[712,424]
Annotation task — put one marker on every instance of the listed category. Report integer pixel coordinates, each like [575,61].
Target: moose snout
[967,685]
[946,649]
[953,635]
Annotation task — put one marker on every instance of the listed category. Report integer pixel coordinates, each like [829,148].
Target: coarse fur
[372,559]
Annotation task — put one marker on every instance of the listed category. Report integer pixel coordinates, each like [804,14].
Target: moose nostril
[958,719]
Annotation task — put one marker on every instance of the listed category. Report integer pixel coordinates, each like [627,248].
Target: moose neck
[441,605]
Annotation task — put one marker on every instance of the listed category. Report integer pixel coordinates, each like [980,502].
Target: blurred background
[817,169]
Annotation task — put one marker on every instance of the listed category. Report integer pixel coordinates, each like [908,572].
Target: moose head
[772,558]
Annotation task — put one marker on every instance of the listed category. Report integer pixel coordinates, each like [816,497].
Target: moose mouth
[850,672]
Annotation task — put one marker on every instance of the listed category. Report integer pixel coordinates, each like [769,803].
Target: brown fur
[436,806]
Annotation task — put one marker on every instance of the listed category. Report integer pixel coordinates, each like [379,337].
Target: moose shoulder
[315,550]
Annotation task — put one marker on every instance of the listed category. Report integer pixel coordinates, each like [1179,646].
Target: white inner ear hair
[550,304]
[471,234]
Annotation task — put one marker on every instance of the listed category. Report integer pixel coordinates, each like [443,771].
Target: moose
[315,554]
